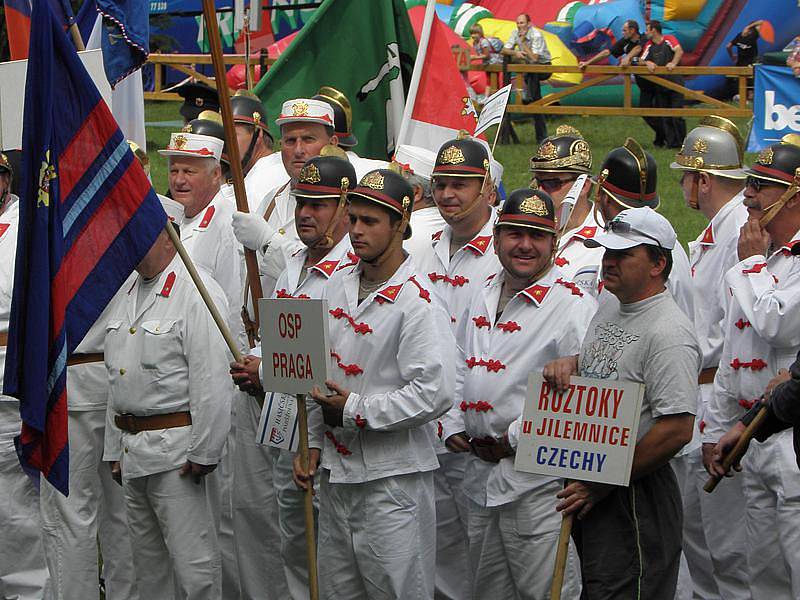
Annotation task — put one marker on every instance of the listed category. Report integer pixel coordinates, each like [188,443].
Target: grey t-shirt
[650,342]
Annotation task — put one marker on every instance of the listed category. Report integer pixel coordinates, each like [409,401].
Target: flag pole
[201,287]
[416,74]
[311,544]
[231,145]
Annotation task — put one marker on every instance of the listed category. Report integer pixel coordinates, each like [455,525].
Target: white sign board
[586,433]
[12,94]
[294,344]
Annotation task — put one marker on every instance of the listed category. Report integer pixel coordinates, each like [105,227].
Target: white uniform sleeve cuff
[353,417]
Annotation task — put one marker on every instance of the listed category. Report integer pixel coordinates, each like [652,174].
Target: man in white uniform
[168,417]
[527,314]
[762,335]
[456,263]
[321,220]
[712,181]
[561,167]
[343,128]
[392,373]
[23,573]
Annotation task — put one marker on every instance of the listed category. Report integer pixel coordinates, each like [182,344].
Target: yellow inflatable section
[561,55]
[682,10]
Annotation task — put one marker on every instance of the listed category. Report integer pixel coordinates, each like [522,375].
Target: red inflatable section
[540,12]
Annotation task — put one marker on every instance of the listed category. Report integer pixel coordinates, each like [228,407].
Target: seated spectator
[488,49]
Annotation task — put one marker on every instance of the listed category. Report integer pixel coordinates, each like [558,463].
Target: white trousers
[173,537]
[512,548]
[94,510]
[255,510]
[772,490]
[377,540]
[453,577]
[696,577]
[23,574]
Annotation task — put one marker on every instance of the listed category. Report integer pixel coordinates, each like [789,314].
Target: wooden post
[231,145]
[311,544]
[561,556]
[75,33]
[212,308]
[738,451]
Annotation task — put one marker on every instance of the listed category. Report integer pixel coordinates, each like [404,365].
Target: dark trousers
[534,86]
[669,131]
[630,543]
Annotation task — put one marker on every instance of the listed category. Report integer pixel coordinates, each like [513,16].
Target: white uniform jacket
[541,323]
[458,279]
[284,240]
[424,223]
[209,240]
[762,334]
[267,174]
[577,262]
[9,228]
[364,165]
[166,356]
[394,353]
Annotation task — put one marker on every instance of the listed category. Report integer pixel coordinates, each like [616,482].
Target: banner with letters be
[776,106]
[586,433]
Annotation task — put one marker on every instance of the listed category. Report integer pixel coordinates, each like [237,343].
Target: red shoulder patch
[3,228]
[708,235]
[587,232]
[536,293]
[437,236]
[390,292]
[167,289]
[206,220]
[327,267]
[479,244]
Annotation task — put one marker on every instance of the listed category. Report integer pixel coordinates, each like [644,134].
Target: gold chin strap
[326,241]
[777,206]
[471,208]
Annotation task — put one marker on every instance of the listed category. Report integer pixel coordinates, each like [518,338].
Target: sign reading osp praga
[587,432]
[294,344]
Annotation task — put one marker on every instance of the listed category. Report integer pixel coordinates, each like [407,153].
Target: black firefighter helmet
[462,157]
[777,163]
[629,175]
[248,109]
[390,190]
[325,177]
[529,208]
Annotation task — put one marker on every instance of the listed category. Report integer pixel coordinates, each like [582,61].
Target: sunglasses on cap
[625,227]
[757,183]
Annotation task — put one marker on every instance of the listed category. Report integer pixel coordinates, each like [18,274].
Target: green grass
[602,133]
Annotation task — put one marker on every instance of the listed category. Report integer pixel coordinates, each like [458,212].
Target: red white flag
[439,102]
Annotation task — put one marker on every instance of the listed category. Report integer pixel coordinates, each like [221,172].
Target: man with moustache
[392,373]
[629,538]
[561,167]
[712,182]
[526,315]
[321,220]
[762,336]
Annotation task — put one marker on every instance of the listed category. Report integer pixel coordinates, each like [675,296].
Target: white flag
[493,110]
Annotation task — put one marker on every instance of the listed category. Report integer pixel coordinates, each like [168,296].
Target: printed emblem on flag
[46,173]
[275,436]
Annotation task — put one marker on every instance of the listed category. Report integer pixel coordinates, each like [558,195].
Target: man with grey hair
[417,164]
[712,181]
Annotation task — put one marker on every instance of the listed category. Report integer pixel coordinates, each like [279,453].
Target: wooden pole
[561,556]
[201,287]
[311,545]
[739,449]
[231,145]
[76,37]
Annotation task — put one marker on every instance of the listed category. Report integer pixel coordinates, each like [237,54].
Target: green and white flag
[226,31]
[365,50]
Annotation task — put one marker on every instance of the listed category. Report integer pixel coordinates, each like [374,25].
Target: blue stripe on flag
[58,368]
[103,173]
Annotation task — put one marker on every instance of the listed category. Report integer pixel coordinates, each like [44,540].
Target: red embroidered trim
[702,426]
[481,322]
[352,369]
[456,281]
[561,261]
[362,328]
[756,268]
[479,406]
[509,326]
[423,293]
[439,429]
[741,323]
[282,293]
[747,404]
[571,286]
[756,364]
[340,448]
[493,366]
[360,422]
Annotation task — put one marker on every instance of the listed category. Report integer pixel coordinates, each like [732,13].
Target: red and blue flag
[88,215]
[18,26]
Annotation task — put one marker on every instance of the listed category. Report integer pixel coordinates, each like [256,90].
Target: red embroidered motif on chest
[439,429]
[571,286]
[741,324]
[362,328]
[561,261]
[352,369]
[756,268]
[756,364]
[423,293]
[481,322]
[455,281]
[509,326]
[282,293]
[167,289]
[479,406]
[747,404]
[360,422]
[206,221]
[340,448]
[3,228]
[493,366]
